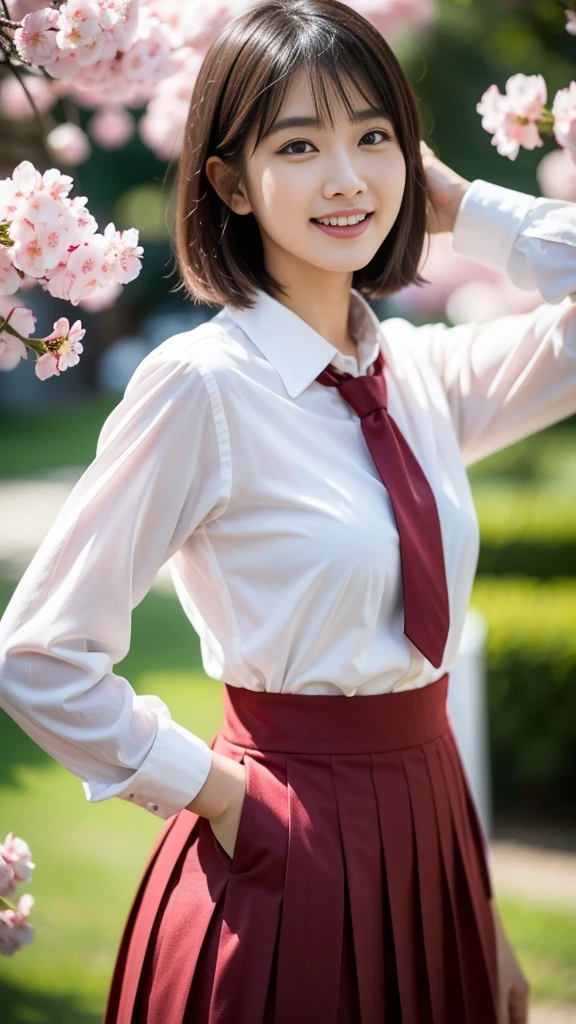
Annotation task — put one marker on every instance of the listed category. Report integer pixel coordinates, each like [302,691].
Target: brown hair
[241,85]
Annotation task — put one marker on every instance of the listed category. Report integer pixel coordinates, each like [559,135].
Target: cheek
[393,176]
[282,190]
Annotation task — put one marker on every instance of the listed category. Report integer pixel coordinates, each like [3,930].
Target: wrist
[220,788]
[458,197]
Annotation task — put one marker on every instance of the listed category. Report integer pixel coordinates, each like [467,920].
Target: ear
[224,180]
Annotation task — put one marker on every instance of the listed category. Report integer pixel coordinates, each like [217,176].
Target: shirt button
[152,807]
[130,796]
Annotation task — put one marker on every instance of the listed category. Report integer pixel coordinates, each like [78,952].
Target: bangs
[340,72]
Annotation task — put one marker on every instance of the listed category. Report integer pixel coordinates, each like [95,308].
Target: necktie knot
[365,394]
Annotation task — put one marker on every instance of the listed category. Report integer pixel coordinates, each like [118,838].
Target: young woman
[302,466]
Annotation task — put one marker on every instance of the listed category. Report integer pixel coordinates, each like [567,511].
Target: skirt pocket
[244,813]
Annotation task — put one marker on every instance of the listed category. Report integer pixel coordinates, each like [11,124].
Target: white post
[468,712]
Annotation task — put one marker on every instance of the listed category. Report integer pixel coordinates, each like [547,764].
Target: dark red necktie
[426,605]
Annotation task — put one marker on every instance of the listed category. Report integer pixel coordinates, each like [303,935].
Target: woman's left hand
[446,189]
[514,986]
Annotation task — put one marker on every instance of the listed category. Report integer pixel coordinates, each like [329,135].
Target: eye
[302,142]
[379,131]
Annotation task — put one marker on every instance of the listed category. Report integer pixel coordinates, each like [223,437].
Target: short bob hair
[240,86]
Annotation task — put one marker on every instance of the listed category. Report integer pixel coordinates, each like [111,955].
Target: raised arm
[514,375]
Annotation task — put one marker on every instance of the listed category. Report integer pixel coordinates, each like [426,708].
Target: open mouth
[344,230]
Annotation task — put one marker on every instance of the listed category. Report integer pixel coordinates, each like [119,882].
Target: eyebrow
[299,121]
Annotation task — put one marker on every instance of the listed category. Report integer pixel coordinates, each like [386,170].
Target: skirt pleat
[473,873]
[358,891]
[454,951]
[429,874]
[358,822]
[398,845]
[313,893]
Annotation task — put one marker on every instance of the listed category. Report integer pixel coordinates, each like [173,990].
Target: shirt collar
[297,352]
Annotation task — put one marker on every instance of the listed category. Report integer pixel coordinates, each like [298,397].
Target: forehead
[299,96]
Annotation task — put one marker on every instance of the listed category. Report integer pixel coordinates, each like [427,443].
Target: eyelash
[374,131]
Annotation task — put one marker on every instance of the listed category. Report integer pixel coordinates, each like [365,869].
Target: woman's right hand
[225,827]
[221,799]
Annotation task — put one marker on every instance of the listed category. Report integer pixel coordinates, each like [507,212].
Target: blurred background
[89,857]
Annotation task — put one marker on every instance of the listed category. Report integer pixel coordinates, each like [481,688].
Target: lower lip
[350,231]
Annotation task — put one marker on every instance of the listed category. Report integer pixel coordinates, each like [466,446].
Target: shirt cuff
[488,222]
[171,775]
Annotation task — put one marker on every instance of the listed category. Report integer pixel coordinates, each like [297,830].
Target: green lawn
[33,442]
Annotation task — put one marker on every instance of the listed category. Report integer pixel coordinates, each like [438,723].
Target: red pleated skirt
[358,892]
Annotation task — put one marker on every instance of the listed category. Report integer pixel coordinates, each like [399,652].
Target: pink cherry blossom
[15,103]
[36,39]
[66,344]
[396,17]
[10,279]
[69,144]
[56,184]
[564,112]
[149,58]
[125,253]
[46,366]
[445,271]
[511,118]
[15,931]
[78,23]
[556,174]
[12,350]
[571,22]
[20,8]
[42,234]
[102,298]
[482,301]
[14,850]
[18,189]
[7,884]
[23,321]
[112,126]
[161,128]
[88,267]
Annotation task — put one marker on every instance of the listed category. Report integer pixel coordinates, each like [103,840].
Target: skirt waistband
[324,724]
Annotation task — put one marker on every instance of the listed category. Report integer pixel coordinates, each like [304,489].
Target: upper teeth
[342,221]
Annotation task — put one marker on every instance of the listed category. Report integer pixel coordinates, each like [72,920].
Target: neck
[326,308]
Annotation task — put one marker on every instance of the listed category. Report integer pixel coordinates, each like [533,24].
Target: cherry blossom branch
[37,344]
[46,123]
[519,117]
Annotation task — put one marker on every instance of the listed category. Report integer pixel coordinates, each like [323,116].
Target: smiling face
[301,172]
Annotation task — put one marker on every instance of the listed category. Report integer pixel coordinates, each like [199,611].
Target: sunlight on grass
[544,940]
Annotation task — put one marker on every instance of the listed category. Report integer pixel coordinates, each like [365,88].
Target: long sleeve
[156,477]
[514,375]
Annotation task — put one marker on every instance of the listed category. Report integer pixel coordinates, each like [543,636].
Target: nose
[343,175]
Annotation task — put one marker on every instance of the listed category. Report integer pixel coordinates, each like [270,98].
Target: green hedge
[526,530]
[547,458]
[531,666]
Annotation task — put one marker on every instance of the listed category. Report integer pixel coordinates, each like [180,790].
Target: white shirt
[226,457]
